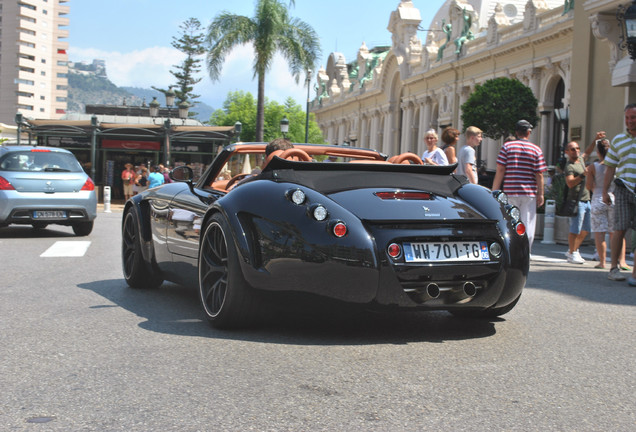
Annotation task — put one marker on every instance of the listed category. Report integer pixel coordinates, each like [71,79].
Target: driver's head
[278,144]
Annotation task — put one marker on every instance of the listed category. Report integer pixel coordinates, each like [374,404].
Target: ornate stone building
[567,53]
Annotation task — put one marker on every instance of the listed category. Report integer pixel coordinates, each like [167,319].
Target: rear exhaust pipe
[470,289]
[432,290]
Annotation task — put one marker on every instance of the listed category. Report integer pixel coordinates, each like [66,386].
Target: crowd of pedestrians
[602,193]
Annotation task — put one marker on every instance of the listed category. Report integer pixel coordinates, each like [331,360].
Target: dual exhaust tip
[433,291]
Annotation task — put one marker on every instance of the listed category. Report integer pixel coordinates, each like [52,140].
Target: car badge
[49,187]
[427,212]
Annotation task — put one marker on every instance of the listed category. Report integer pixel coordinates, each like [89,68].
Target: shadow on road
[581,281]
[27,231]
[173,309]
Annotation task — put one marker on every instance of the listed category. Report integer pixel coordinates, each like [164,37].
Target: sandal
[599,266]
[624,268]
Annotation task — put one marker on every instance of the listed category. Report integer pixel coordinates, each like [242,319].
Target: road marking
[67,249]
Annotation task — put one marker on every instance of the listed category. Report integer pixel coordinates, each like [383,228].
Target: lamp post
[94,125]
[18,121]
[284,126]
[627,17]
[563,117]
[307,81]
[238,127]
[170,95]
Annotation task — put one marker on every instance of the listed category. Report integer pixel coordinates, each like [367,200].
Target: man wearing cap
[520,168]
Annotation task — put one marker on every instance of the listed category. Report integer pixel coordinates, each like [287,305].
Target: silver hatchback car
[45,185]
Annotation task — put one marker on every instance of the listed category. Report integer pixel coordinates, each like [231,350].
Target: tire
[227,299]
[83,228]
[137,272]
[486,313]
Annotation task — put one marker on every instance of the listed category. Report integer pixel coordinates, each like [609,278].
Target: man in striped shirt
[520,168]
[621,162]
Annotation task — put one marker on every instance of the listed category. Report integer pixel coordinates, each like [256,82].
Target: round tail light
[394,250]
[340,229]
[520,228]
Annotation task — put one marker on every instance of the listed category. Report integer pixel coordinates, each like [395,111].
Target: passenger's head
[450,135]
[278,144]
[430,137]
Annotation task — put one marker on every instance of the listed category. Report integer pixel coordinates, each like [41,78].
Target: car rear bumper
[21,208]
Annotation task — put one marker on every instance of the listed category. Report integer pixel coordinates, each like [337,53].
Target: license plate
[446,251]
[49,214]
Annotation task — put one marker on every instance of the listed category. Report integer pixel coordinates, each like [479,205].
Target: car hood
[47,182]
[367,205]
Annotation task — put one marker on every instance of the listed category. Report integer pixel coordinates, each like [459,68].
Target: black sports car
[336,221]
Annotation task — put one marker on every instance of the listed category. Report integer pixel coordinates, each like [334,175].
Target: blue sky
[134,37]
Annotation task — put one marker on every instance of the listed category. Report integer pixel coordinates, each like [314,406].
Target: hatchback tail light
[89,185]
[5,185]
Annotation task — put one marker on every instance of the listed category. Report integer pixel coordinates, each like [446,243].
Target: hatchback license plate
[446,251]
[49,214]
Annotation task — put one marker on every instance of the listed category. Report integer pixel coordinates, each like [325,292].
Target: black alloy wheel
[227,299]
[137,272]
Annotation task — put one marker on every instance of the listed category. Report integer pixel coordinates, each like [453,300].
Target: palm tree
[271,30]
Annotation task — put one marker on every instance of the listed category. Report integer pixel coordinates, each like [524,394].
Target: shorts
[623,209]
[602,216]
[582,221]
[128,188]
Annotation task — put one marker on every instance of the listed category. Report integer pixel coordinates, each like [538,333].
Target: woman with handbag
[578,198]
[602,214]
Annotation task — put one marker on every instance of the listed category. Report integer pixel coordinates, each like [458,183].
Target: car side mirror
[182,173]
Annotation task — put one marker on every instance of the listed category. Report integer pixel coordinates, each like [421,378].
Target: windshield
[34,160]
[246,163]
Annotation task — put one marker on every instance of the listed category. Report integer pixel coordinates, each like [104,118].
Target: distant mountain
[89,84]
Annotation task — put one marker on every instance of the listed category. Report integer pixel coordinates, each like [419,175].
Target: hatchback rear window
[35,161]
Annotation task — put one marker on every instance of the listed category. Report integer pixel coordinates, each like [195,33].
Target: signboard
[131,145]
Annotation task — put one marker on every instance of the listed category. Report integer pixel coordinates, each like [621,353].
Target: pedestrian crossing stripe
[67,249]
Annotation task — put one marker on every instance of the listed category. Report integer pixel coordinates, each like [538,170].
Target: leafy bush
[496,105]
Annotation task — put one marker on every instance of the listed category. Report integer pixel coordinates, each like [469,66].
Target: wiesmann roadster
[335,221]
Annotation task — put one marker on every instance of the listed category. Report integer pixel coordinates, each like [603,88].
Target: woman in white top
[602,214]
[433,154]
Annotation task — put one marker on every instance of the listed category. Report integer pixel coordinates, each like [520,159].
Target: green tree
[241,106]
[271,30]
[496,105]
[191,44]
[238,106]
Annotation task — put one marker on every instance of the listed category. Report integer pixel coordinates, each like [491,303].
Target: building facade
[33,58]
[568,53]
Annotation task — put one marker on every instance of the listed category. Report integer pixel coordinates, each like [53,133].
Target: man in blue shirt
[155,178]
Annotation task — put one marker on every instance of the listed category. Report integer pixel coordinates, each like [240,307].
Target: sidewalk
[555,253]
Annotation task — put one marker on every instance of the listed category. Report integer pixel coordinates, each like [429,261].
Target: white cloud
[151,67]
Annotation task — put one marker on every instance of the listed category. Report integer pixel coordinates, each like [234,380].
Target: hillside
[88,84]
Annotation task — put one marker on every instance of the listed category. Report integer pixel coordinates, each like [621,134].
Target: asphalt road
[82,352]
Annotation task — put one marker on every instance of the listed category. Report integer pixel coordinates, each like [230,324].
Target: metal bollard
[106,199]
[548,224]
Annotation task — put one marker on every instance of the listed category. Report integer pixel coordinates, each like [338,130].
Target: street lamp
[238,127]
[153,107]
[563,117]
[627,17]
[284,126]
[170,95]
[183,110]
[307,81]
